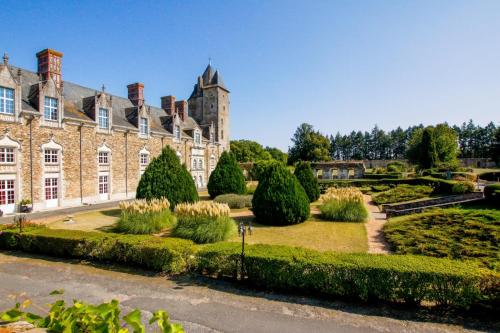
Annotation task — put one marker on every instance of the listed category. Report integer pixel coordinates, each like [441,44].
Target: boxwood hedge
[170,255]
[395,278]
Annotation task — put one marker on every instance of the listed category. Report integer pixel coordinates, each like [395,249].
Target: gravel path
[374,232]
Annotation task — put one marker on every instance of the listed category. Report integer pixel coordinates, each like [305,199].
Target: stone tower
[209,104]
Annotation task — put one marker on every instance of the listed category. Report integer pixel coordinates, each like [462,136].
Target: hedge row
[394,278]
[390,175]
[170,255]
[441,186]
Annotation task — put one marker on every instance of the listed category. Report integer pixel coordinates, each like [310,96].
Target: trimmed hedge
[490,176]
[235,200]
[169,255]
[279,198]
[306,178]
[440,186]
[492,193]
[394,278]
[165,177]
[227,177]
[392,175]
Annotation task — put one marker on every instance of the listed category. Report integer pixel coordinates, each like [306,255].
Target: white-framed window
[50,188]
[7,191]
[103,118]
[143,126]
[7,155]
[51,156]
[177,132]
[103,184]
[200,163]
[194,164]
[197,138]
[103,157]
[6,100]
[212,162]
[144,159]
[50,108]
[222,134]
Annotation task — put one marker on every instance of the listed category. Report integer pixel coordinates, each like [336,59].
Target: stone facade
[338,169]
[89,146]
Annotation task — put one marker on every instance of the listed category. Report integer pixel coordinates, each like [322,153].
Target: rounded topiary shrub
[306,178]
[279,198]
[165,177]
[227,177]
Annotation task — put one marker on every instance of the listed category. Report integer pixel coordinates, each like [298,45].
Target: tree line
[472,141]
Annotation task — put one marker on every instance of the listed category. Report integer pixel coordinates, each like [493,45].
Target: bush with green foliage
[492,193]
[453,232]
[235,200]
[279,198]
[402,193]
[367,277]
[227,177]
[169,255]
[145,217]
[203,229]
[396,166]
[306,178]
[83,317]
[343,204]
[490,176]
[204,222]
[462,187]
[165,177]
[259,168]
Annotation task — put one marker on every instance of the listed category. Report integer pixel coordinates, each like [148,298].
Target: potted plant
[25,206]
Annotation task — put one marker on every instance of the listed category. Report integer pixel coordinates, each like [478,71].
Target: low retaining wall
[419,206]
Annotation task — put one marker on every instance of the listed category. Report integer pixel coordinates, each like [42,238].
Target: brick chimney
[168,104]
[181,107]
[136,93]
[50,65]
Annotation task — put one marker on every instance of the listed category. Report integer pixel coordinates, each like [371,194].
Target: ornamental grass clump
[204,222]
[343,204]
[145,216]
[235,200]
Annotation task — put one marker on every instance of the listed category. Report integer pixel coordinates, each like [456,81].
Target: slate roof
[74,96]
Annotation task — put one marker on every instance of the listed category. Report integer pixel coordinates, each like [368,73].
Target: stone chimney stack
[168,104]
[50,65]
[136,93]
[182,109]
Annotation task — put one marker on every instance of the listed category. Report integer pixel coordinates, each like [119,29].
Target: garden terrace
[339,169]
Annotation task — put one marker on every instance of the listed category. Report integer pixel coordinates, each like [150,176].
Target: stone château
[62,144]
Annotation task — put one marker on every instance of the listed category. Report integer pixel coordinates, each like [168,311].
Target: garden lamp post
[242,230]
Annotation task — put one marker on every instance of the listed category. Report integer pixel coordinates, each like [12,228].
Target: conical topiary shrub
[165,177]
[226,178]
[306,178]
[279,198]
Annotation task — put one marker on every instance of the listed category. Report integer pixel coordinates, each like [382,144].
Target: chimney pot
[136,93]
[168,104]
[50,65]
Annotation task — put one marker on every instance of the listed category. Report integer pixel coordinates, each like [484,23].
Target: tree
[431,146]
[495,147]
[279,198]
[165,177]
[248,151]
[227,177]
[306,178]
[277,154]
[308,145]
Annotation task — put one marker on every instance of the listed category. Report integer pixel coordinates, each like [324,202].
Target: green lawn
[313,234]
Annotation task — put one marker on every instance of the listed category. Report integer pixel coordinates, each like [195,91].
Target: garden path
[374,228]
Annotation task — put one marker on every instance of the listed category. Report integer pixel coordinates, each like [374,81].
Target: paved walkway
[374,231]
[203,305]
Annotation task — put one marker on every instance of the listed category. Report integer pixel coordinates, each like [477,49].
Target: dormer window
[7,155]
[51,156]
[103,118]
[177,132]
[50,108]
[143,126]
[197,138]
[6,100]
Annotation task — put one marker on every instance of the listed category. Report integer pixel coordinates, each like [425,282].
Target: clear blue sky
[338,65]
